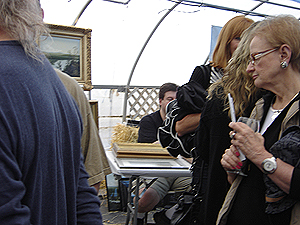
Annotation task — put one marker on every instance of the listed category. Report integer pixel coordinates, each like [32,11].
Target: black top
[148,127]
[191,96]
[212,138]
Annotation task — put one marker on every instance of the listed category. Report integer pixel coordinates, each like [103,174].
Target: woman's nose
[250,68]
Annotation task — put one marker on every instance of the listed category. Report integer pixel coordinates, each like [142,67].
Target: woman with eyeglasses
[270,192]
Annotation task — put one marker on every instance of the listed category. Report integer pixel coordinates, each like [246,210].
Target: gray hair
[22,20]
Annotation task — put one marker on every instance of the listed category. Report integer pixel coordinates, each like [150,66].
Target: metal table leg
[133,208]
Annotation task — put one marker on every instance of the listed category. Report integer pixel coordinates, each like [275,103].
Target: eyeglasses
[255,56]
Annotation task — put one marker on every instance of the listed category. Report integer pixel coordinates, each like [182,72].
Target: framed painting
[69,50]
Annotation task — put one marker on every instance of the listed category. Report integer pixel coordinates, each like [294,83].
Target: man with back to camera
[94,157]
[43,180]
[95,160]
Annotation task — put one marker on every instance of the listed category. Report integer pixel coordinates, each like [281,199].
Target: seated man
[148,134]
[150,123]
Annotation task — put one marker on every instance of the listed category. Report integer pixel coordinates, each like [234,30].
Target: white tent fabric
[181,42]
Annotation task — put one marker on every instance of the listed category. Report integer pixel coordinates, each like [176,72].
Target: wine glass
[254,125]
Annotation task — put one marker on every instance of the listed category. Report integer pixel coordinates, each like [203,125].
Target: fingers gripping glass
[252,123]
[255,56]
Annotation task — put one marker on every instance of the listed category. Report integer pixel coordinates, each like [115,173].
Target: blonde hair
[231,30]
[279,30]
[22,20]
[236,80]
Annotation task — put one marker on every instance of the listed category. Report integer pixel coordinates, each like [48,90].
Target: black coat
[212,138]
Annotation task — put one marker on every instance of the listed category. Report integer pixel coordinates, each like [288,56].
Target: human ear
[285,53]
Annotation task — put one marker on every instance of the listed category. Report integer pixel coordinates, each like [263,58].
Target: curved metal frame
[201,4]
[139,56]
[87,4]
[81,12]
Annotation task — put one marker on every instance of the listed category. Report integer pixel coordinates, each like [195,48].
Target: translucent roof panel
[180,42]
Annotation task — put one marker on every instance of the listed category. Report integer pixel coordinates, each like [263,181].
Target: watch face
[269,166]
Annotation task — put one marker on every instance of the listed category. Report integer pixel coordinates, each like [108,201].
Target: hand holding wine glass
[252,123]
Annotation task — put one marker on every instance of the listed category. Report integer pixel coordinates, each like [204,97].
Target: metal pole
[87,4]
[277,4]
[81,12]
[124,3]
[203,4]
[137,59]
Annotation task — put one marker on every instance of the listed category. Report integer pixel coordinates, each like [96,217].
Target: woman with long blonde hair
[191,97]
[212,134]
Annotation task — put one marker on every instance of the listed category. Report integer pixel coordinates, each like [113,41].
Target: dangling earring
[283,64]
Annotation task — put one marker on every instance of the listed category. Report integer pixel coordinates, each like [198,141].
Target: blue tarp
[215,30]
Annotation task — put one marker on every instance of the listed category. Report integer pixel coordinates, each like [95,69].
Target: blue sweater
[42,178]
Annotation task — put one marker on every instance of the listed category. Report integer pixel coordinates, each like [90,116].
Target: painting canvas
[69,50]
[63,53]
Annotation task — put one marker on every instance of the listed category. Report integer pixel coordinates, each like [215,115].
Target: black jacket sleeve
[192,95]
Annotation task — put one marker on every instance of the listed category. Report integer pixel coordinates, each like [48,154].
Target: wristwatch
[269,165]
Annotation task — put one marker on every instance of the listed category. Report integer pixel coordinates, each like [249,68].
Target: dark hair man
[150,123]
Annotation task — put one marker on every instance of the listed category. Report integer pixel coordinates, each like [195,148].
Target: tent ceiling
[182,40]
[250,11]
[231,6]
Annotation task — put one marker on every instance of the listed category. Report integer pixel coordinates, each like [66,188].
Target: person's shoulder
[156,113]
[216,99]
[216,91]
[201,75]
[67,80]
[205,68]
[71,85]
[150,116]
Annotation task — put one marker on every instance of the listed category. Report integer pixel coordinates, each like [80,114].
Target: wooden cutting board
[140,150]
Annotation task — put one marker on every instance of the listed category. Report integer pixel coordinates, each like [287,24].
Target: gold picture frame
[69,50]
